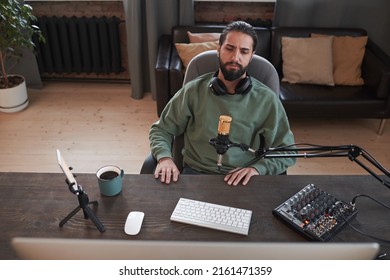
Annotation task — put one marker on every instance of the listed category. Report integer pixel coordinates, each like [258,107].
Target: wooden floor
[94,124]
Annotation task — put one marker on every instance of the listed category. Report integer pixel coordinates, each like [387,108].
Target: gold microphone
[221,142]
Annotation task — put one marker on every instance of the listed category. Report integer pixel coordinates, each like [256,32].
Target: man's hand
[167,170]
[240,174]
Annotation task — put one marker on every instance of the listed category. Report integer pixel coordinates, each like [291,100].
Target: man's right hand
[167,170]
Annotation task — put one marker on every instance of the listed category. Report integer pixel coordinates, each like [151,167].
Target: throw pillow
[203,37]
[348,53]
[188,51]
[307,60]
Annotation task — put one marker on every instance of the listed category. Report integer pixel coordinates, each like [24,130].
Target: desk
[33,204]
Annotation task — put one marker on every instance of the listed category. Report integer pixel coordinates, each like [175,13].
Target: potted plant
[17,29]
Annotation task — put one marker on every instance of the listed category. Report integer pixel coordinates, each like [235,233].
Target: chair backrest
[259,68]
[206,62]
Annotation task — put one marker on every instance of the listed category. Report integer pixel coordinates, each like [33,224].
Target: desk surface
[33,204]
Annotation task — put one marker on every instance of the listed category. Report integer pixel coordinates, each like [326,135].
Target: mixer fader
[315,214]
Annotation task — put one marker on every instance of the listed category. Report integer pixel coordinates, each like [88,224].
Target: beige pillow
[188,51]
[203,37]
[348,53]
[307,60]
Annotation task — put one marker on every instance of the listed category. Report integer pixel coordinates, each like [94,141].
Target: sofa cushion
[302,32]
[348,53]
[303,100]
[180,35]
[188,51]
[203,37]
[307,60]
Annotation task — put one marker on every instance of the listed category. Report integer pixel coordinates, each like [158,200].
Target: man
[195,110]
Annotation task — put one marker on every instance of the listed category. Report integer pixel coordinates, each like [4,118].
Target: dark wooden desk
[32,205]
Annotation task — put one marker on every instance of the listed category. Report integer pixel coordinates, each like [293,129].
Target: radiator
[79,45]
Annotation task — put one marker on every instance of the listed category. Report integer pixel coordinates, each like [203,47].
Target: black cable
[361,232]
[368,235]
[356,229]
[367,196]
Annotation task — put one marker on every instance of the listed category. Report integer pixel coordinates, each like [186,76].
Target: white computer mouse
[134,222]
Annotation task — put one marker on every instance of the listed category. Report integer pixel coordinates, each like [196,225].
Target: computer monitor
[107,249]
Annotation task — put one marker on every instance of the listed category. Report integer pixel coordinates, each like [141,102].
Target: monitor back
[108,249]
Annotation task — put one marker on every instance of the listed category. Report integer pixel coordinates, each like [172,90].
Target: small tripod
[83,204]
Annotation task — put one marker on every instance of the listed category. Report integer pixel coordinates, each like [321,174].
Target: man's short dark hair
[240,26]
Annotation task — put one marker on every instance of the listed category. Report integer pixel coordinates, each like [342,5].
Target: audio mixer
[315,214]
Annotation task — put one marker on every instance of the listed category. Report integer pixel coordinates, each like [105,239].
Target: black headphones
[218,88]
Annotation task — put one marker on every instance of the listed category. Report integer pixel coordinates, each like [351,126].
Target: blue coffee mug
[110,180]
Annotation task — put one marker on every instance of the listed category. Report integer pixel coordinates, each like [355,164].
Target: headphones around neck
[218,88]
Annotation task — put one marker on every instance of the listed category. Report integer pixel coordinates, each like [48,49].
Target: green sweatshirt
[195,111]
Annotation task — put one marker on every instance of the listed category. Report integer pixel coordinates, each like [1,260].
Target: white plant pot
[14,99]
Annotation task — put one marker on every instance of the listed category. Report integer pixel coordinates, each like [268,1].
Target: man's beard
[232,75]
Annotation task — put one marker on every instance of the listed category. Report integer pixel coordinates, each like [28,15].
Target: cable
[356,229]
[361,232]
[367,196]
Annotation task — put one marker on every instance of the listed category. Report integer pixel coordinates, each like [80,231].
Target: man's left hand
[240,174]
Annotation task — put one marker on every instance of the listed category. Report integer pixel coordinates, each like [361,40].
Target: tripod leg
[94,203]
[70,216]
[94,219]
[88,213]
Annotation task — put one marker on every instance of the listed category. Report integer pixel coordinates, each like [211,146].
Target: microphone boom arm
[317,151]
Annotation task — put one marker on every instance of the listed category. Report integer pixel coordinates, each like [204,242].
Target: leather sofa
[371,100]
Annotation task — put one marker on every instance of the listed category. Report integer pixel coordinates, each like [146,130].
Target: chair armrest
[150,162]
[176,74]
[177,147]
[376,74]
[149,165]
[164,53]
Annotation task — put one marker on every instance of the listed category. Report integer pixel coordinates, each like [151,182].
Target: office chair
[206,62]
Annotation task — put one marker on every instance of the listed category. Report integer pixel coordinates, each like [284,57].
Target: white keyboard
[213,216]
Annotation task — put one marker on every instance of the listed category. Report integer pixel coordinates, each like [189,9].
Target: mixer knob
[303,212]
[330,211]
[325,204]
